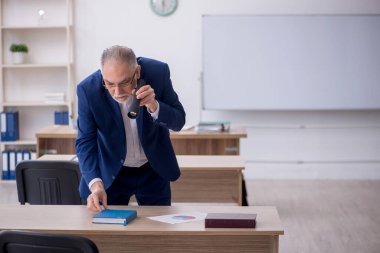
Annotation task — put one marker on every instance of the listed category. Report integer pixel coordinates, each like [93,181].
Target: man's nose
[117,90]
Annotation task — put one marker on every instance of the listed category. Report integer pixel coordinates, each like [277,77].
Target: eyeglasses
[124,84]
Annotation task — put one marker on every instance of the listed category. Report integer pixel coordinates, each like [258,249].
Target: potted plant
[18,53]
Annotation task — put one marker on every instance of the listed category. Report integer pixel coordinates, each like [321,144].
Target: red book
[230,220]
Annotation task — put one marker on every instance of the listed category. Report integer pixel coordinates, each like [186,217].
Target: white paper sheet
[180,217]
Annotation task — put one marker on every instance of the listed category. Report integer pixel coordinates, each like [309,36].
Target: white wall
[332,145]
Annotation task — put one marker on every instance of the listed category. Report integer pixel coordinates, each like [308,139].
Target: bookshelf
[46,27]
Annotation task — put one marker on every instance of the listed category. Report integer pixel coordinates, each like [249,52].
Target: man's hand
[147,96]
[98,194]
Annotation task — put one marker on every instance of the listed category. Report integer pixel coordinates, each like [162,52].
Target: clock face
[163,7]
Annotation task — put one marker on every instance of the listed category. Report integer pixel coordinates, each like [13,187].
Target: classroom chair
[13,241]
[48,182]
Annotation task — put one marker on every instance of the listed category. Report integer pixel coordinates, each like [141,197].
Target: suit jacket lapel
[139,119]
[114,109]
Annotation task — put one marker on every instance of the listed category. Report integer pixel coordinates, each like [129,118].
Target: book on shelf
[230,220]
[61,118]
[10,158]
[9,126]
[6,163]
[213,126]
[114,216]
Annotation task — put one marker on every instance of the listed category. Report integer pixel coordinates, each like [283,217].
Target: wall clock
[163,7]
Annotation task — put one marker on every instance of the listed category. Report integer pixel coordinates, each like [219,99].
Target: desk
[58,139]
[61,140]
[145,235]
[211,179]
[191,142]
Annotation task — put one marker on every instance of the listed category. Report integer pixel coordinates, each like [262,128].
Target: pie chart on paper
[183,217]
[180,217]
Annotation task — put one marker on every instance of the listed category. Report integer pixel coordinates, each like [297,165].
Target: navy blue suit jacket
[101,141]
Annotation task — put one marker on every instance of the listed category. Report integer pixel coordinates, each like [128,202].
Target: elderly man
[118,156]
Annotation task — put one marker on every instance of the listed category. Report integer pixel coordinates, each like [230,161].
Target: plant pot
[18,57]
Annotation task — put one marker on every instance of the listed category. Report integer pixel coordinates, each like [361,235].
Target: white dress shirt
[135,156]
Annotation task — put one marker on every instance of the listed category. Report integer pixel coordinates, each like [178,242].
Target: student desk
[211,179]
[60,139]
[145,235]
[191,142]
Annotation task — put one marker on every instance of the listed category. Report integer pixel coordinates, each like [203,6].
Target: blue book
[12,126]
[26,155]
[58,118]
[61,118]
[5,167]
[12,164]
[109,216]
[3,121]
[65,118]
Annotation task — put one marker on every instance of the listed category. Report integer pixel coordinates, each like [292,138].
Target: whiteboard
[291,62]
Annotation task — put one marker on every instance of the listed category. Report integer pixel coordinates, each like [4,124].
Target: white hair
[119,53]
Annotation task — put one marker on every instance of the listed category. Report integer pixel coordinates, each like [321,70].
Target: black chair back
[43,182]
[34,242]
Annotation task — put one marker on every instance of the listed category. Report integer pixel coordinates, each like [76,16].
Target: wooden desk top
[185,161]
[56,218]
[57,157]
[235,132]
[64,131]
[54,131]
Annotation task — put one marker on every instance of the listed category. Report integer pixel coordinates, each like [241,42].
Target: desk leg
[38,148]
[244,191]
[275,244]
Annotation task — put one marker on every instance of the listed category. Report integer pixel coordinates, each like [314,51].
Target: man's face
[119,79]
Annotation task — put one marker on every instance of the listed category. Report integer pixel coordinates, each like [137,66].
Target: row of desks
[205,178]
[61,139]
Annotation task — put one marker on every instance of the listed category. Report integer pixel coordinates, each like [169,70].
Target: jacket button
[113,177]
[122,161]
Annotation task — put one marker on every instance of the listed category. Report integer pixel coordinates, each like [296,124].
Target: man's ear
[138,71]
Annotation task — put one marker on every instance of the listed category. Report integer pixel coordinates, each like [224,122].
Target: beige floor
[323,216]
[8,192]
[318,216]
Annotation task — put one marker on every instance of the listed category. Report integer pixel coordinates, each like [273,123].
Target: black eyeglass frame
[129,84]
